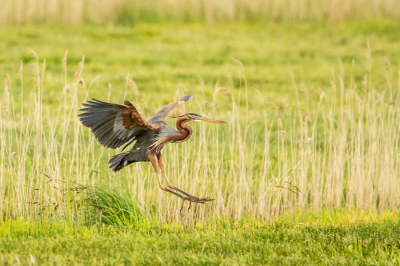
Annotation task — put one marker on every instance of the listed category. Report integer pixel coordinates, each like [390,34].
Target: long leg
[194,199]
[161,165]
[153,160]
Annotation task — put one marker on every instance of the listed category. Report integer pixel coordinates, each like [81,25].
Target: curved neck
[184,129]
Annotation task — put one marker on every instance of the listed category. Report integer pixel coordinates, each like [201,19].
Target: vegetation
[306,171]
[332,143]
[101,204]
[321,238]
[183,11]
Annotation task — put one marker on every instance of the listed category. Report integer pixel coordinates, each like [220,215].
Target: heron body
[141,152]
[116,124]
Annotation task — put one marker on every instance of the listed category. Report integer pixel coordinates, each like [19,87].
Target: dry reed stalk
[343,152]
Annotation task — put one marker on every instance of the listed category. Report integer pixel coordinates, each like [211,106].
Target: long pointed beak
[209,120]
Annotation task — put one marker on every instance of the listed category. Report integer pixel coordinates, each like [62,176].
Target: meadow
[334,237]
[305,172]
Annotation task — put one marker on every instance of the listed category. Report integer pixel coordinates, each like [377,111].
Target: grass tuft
[102,204]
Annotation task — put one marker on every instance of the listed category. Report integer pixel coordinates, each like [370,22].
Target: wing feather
[113,124]
[162,114]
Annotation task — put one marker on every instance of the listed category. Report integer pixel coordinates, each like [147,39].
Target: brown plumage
[116,124]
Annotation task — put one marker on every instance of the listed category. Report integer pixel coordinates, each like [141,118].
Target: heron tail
[117,162]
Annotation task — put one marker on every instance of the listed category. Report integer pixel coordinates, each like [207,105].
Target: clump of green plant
[102,204]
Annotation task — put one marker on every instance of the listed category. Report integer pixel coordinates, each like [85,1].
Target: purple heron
[116,124]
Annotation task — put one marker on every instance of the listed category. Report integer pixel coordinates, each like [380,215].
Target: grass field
[306,171]
[339,238]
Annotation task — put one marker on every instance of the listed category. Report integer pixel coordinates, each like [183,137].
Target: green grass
[331,237]
[162,58]
[283,150]
[100,204]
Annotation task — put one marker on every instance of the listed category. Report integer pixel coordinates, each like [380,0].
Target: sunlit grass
[101,204]
[306,171]
[134,11]
[329,238]
[336,151]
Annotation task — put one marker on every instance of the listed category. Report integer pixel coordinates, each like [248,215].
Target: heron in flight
[116,124]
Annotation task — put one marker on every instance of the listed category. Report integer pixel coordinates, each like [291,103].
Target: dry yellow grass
[131,11]
[338,152]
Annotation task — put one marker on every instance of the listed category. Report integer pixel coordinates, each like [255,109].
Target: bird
[116,124]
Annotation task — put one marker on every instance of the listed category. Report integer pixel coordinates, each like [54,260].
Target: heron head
[198,118]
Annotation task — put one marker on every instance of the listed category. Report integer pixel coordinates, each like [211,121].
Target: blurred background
[170,44]
[129,12]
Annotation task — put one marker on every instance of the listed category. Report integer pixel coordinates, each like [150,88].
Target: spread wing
[162,114]
[113,124]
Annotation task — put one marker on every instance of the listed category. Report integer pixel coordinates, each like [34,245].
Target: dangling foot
[190,197]
[195,200]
